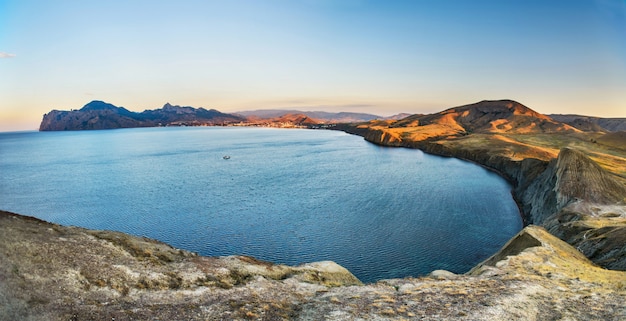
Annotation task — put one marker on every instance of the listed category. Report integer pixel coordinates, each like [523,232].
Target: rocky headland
[565,179]
[567,264]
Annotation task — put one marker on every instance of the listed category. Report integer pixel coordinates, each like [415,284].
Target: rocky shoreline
[52,272]
[589,212]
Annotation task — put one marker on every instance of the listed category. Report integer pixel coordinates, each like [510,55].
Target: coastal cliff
[556,182]
[583,204]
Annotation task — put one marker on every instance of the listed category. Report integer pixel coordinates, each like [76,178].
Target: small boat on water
[226,157]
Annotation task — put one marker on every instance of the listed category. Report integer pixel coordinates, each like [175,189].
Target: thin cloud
[6,55]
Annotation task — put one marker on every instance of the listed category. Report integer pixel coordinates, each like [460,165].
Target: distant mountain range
[341,117]
[101,115]
[500,116]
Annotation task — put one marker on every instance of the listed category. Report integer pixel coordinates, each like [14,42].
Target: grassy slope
[543,146]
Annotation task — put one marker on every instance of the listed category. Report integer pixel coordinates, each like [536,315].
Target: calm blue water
[287,196]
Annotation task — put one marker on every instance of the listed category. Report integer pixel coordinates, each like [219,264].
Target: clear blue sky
[381,57]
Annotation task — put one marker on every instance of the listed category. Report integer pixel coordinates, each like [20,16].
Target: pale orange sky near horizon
[383,58]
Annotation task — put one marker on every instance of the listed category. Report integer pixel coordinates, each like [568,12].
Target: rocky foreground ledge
[53,272]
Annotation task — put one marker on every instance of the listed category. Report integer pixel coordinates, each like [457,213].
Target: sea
[287,196]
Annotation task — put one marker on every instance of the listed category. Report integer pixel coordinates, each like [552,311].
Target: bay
[287,196]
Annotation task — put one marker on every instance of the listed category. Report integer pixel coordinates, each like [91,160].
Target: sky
[380,57]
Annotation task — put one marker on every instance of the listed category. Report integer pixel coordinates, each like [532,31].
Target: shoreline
[547,192]
[55,272]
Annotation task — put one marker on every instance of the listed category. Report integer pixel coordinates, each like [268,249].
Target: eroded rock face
[583,204]
[571,178]
[580,178]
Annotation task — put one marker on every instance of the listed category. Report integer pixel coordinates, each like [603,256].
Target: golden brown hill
[284,121]
[482,118]
[297,119]
[496,116]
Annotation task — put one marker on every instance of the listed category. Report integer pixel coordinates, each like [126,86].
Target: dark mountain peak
[99,105]
[169,108]
[172,108]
